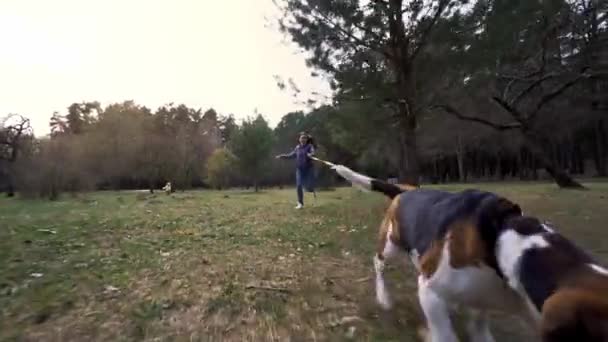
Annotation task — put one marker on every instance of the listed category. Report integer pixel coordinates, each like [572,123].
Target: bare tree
[532,86]
[13,129]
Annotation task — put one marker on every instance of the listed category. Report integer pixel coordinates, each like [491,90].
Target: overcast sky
[203,53]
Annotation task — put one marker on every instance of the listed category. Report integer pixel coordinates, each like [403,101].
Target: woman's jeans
[304,179]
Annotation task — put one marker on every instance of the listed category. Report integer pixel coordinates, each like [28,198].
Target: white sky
[204,53]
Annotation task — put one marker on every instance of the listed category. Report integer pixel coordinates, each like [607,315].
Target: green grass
[208,266]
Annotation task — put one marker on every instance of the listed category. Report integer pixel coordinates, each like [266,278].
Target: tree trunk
[504,167]
[499,167]
[400,60]
[517,165]
[578,159]
[10,191]
[477,168]
[11,164]
[600,148]
[565,151]
[409,170]
[561,177]
[435,179]
[54,193]
[466,162]
[460,160]
[593,55]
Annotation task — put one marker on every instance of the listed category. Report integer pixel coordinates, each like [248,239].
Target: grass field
[232,266]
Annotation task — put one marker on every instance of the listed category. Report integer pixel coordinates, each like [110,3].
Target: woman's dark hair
[310,139]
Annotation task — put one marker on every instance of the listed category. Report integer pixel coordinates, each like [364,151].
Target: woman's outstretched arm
[289,155]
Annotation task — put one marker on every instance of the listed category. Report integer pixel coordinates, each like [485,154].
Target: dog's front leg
[437,314]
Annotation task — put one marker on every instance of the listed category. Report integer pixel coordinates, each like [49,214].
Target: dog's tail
[371,184]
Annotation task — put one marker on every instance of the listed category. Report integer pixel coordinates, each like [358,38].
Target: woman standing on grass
[304,166]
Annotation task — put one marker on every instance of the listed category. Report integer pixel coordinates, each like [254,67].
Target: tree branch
[511,110]
[366,30]
[526,78]
[469,29]
[499,127]
[540,56]
[531,87]
[12,135]
[353,99]
[555,93]
[397,38]
[351,38]
[505,93]
[600,19]
[426,32]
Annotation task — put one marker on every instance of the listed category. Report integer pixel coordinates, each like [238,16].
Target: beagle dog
[477,250]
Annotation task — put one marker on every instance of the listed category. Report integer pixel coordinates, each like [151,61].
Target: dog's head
[499,210]
[493,215]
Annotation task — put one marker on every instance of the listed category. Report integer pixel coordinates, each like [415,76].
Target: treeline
[128,146]
[425,91]
[122,146]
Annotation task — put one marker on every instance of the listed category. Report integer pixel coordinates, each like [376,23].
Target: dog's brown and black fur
[477,249]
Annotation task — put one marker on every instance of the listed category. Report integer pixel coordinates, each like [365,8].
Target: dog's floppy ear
[492,215]
[494,212]
[505,208]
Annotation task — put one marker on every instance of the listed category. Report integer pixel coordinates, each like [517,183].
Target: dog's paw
[383,299]
[385,304]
